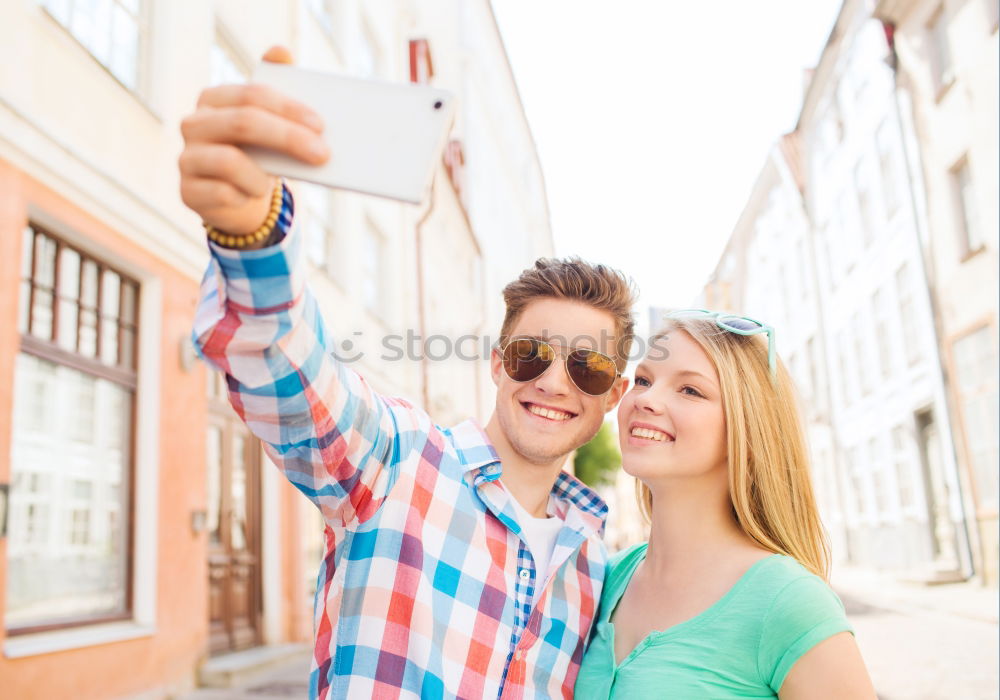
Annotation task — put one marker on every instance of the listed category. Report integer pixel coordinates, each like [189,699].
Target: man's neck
[528,482]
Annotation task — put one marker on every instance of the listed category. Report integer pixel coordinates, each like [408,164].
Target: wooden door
[233,526]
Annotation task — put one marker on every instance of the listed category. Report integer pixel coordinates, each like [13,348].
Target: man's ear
[496,366]
[616,393]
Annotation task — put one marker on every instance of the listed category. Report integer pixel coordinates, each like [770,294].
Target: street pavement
[919,642]
[924,642]
[290,680]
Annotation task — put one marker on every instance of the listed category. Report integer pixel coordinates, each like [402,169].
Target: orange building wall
[170,656]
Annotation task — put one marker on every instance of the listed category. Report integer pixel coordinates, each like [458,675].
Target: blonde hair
[769,482]
[597,286]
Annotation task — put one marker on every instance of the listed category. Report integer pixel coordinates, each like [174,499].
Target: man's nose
[554,381]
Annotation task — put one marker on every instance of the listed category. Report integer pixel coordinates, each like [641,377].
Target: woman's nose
[649,402]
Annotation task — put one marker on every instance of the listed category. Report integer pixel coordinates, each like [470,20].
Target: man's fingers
[205,195]
[257,127]
[261,96]
[227,163]
[278,54]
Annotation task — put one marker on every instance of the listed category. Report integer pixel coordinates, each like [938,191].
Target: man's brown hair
[598,286]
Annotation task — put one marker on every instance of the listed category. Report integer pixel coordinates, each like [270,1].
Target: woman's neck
[692,525]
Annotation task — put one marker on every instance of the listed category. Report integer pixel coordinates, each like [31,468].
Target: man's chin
[544,452]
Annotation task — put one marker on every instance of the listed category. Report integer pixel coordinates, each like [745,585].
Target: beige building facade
[146,535]
[946,58]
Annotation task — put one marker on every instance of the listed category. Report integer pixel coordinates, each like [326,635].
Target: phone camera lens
[438,105]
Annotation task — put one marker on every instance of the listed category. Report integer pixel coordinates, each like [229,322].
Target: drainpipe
[421,314]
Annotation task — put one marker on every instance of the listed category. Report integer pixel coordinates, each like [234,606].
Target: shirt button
[519,655]
[525,574]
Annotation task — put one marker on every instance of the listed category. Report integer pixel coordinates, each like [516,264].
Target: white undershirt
[540,534]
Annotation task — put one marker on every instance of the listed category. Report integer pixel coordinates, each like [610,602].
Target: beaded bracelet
[248,239]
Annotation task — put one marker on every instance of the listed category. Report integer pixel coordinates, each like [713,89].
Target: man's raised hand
[218,180]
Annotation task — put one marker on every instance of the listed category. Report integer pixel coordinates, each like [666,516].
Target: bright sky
[653,119]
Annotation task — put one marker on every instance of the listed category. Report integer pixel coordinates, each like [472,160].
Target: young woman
[728,599]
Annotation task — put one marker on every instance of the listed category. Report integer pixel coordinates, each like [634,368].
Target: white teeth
[549,413]
[649,434]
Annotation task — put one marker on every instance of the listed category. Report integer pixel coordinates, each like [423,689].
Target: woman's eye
[641,381]
[691,391]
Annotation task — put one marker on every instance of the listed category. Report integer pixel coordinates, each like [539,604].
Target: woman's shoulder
[621,565]
[779,572]
[626,557]
[789,596]
[799,610]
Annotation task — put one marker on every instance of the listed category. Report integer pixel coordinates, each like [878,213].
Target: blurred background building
[145,530]
[870,242]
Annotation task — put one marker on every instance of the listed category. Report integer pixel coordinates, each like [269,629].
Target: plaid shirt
[427,588]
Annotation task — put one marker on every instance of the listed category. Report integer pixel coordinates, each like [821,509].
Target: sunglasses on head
[740,325]
[525,359]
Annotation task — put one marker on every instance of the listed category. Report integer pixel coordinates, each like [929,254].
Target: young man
[460,562]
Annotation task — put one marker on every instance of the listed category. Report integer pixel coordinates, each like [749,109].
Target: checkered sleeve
[320,422]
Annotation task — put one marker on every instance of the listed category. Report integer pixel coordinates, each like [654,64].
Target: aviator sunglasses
[525,359]
[740,325]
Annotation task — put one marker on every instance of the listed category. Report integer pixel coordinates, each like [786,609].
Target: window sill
[77,638]
[944,86]
[972,253]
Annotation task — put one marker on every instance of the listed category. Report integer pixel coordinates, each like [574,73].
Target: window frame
[940,55]
[968,223]
[984,505]
[48,350]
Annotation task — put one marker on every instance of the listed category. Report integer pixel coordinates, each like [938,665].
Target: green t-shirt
[743,646]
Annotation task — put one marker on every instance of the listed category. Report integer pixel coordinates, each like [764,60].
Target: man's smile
[547,413]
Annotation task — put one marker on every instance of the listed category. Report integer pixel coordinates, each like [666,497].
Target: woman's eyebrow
[694,373]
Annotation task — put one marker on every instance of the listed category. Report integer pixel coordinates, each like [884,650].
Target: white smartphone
[384,138]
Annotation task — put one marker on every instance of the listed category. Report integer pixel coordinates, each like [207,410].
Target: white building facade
[768,271]
[828,250]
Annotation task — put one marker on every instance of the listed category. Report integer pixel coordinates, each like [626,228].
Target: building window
[315,206]
[373,258]
[113,31]
[859,332]
[968,221]
[976,378]
[847,377]
[323,11]
[865,212]
[940,50]
[225,66]
[71,459]
[881,316]
[817,376]
[859,499]
[903,461]
[878,473]
[365,57]
[888,167]
[908,314]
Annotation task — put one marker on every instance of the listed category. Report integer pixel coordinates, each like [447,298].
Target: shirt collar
[479,456]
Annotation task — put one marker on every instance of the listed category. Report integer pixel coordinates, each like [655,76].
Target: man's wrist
[278,227]
[255,239]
